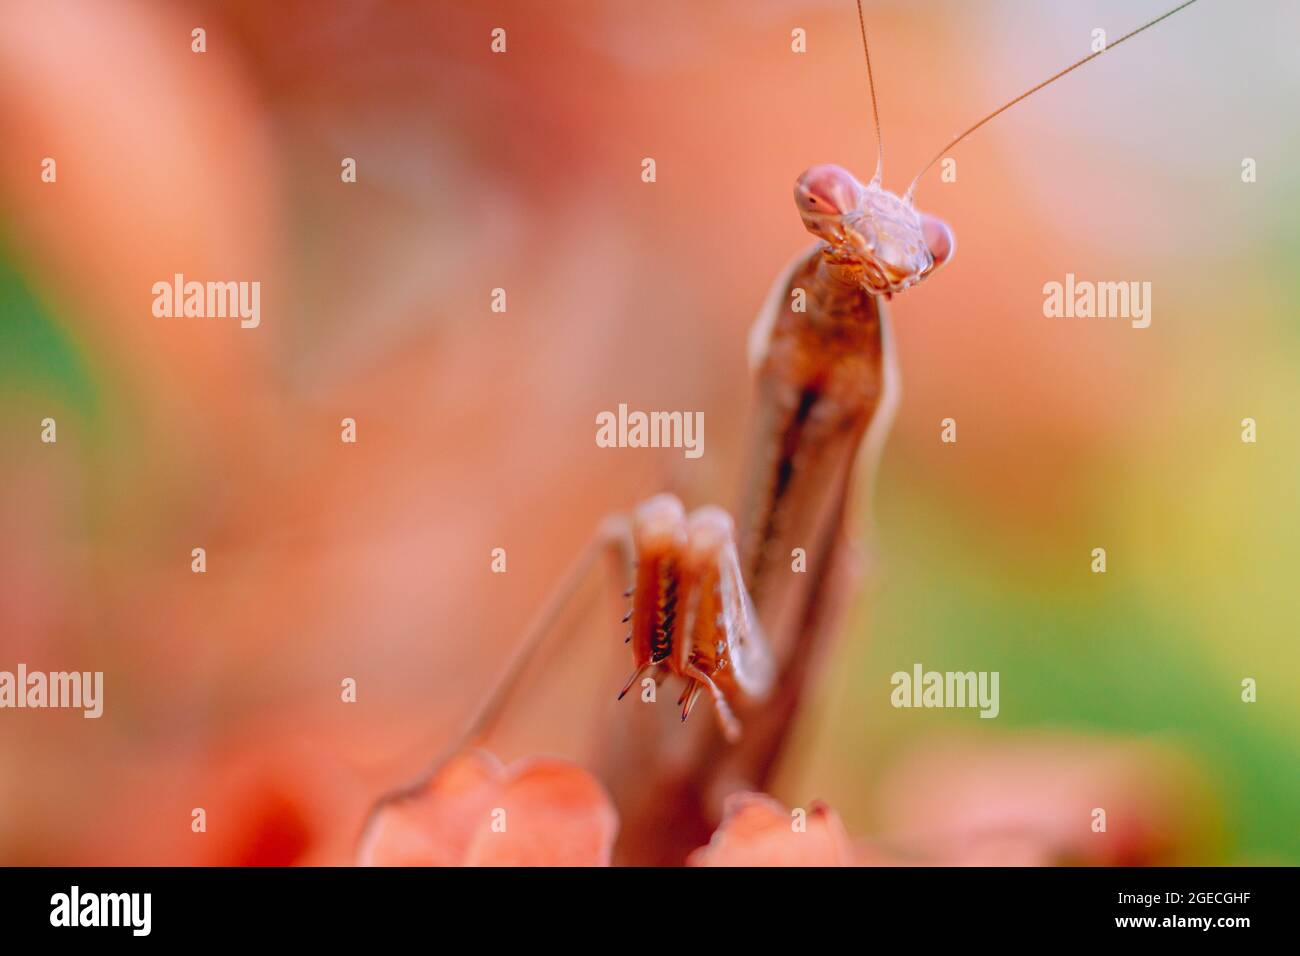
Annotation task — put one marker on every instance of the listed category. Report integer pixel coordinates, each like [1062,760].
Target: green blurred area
[36,354]
[1101,657]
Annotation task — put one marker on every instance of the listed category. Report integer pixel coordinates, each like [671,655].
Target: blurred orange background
[475,429]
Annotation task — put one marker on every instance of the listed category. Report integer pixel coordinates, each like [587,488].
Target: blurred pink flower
[1036,799]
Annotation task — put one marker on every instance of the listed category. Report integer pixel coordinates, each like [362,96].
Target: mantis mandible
[716,603]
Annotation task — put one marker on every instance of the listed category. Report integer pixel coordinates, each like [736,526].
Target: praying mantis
[743,611]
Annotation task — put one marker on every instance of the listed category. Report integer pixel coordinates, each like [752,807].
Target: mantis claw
[630,681]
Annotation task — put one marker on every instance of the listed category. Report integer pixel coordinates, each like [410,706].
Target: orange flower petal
[758,831]
[555,814]
[476,812]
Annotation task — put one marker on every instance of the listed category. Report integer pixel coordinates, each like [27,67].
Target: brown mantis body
[727,610]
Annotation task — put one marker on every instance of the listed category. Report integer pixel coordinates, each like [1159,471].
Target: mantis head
[879,238]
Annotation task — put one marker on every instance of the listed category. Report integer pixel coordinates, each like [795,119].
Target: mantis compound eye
[938,238]
[826,190]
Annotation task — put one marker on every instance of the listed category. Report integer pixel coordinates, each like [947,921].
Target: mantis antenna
[1028,93]
[875,110]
